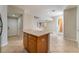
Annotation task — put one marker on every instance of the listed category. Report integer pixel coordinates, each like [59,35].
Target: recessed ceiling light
[36,17]
[53,10]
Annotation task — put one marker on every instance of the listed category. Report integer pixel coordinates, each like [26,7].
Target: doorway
[60,26]
[12,27]
[15,27]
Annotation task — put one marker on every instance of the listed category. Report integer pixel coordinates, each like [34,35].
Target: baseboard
[72,39]
[12,36]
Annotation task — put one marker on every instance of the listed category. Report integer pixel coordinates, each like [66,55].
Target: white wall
[77,25]
[31,23]
[27,21]
[3,12]
[34,23]
[70,24]
[50,26]
[14,10]
[13,26]
[20,26]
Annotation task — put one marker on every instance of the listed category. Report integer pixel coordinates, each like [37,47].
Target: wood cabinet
[35,44]
[42,43]
[25,40]
[31,43]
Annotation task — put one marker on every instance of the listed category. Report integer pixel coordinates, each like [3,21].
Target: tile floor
[57,44]
[15,45]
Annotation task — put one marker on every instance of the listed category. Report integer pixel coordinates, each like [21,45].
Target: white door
[77,22]
[78,33]
[12,27]
[78,36]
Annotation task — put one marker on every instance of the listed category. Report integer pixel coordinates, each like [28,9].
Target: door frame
[21,24]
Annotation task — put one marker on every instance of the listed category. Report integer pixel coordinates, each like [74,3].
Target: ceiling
[40,9]
[14,11]
[43,11]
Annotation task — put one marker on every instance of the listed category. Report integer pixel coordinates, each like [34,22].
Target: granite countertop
[36,32]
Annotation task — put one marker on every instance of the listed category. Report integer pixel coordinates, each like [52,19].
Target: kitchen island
[36,41]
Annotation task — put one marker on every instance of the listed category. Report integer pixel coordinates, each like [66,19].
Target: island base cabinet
[42,44]
[31,43]
[35,44]
[25,41]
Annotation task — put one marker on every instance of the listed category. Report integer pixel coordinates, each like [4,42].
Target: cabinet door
[25,40]
[42,44]
[32,44]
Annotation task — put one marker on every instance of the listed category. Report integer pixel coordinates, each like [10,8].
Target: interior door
[12,26]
